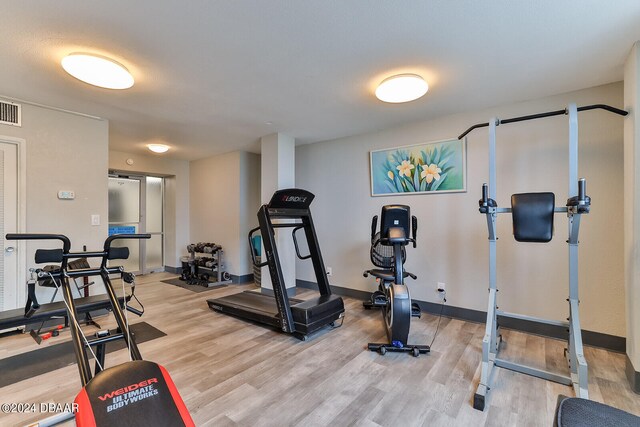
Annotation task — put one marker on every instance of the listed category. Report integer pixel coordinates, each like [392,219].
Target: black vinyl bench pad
[15,318]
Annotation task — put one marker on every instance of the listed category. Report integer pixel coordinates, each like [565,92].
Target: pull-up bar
[547,114]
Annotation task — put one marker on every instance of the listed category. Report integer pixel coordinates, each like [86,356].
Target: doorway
[136,205]
[12,261]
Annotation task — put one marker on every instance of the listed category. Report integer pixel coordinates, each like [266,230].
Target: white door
[9,287]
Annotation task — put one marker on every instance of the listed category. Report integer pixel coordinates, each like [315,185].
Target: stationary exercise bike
[388,252]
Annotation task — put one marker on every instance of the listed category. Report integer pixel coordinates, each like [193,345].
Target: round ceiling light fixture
[401,88]
[97,71]
[158,148]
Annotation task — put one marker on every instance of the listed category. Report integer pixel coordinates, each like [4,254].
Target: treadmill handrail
[295,243]
[253,255]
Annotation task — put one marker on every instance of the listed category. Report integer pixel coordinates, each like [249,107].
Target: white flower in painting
[390,175]
[405,168]
[431,172]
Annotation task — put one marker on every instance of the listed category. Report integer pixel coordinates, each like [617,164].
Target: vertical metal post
[573,150]
[316,256]
[577,361]
[275,269]
[490,339]
[491,222]
[78,345]
[119,316]
[492,157]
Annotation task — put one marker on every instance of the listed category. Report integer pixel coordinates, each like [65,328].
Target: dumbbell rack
[197,270]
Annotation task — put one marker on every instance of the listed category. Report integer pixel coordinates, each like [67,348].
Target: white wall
[452,236]
[632,202]
[64,152]
[224,198]
[176,218]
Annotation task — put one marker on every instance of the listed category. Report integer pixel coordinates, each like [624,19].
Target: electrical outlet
[329,271]
[441,287]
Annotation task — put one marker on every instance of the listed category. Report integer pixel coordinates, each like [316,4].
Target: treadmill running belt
[250,305]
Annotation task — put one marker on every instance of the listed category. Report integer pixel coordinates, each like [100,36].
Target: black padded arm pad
[48,255]
[533,216]
[118,253]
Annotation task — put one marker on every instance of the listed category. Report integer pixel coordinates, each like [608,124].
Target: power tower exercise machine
[134,393]
[388,252]
[290,315]
[532,215]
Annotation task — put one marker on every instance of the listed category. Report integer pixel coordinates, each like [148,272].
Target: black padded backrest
[533,216]
[395,216]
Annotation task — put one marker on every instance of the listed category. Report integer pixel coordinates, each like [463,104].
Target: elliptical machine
[388,252]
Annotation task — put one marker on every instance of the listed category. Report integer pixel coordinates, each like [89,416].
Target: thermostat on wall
[66,195]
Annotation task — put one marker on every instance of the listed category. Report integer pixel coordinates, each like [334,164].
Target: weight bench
[15,318]
[54,284]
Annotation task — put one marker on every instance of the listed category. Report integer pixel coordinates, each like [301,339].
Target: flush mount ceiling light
[97,70]
[401,88]
[158,148]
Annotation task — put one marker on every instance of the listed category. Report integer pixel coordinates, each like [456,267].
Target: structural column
[632,213]
[278,172]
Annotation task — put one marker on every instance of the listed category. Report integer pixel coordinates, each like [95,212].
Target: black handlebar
[295,243]
[547,114]
[64,254]
[66,243]
[107,243]
[414,229]
[374,226]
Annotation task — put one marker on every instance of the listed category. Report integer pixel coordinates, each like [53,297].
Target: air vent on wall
[10,113]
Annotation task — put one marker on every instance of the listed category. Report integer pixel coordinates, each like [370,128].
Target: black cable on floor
[444,299]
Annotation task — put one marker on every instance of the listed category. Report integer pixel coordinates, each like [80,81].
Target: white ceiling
[215,76]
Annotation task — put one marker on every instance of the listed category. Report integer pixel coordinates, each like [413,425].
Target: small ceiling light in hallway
[158,148]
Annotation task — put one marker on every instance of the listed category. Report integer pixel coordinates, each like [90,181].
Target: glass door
[152,255]
[125,217]
[136,206]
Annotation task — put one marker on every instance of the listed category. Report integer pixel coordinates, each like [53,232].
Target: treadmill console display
[291,198]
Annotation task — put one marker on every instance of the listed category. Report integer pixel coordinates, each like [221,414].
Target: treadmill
[294,316]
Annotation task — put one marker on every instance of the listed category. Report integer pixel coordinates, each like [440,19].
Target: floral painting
[436,167]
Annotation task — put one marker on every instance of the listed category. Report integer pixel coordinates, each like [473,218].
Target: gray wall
[224,197]
[249,204]
[452,245]
[64,152]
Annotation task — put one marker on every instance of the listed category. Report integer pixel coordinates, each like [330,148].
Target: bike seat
[386,275]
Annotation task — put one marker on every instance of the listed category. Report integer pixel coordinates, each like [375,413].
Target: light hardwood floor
[231,372]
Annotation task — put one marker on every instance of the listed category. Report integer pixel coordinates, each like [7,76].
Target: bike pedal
[415,311]
[379,302]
